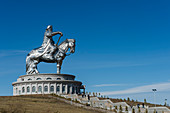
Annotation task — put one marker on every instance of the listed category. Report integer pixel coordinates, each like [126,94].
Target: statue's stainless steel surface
[49,52]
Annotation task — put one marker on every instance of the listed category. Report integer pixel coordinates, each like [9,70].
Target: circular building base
[46,84]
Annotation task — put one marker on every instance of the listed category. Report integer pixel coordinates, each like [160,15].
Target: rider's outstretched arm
[55,33]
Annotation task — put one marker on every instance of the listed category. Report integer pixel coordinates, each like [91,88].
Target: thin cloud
[140,89]
[4,53]
[106,85]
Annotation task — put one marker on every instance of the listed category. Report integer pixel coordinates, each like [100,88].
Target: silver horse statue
[49,52]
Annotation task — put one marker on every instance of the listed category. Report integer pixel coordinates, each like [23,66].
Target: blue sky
[121,45]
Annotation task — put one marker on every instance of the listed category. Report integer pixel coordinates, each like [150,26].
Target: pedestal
[46,84]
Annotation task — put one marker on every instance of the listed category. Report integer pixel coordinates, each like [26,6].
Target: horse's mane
[66,41]
[62,43]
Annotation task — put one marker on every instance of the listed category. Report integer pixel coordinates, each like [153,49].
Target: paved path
[81,105]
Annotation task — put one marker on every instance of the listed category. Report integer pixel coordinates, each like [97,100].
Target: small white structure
[46,84]
[158,109]
[105,104]
[123,105]
[108,104]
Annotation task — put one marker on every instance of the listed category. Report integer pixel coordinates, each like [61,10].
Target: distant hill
[133,103]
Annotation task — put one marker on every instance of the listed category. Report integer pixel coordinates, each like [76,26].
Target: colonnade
[45,88]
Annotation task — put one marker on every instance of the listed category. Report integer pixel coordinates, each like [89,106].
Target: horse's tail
[28,63]
[31,65]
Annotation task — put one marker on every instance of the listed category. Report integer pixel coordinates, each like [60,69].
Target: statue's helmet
[49,27]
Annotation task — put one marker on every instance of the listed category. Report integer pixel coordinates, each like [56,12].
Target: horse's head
[71,45]
[66,47]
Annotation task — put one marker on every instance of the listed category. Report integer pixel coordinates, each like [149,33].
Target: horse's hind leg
[34,67]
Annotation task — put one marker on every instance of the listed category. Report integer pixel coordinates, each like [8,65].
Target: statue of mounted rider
[49,52]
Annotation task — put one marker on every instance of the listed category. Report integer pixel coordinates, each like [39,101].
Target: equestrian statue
[49,52]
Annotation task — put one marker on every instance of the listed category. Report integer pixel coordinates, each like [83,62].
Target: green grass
[37,104]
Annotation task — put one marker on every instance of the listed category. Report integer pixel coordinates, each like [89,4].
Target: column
[30,88]
[21,85]
[55,88]
[20,89]
[25,89]
[43,88]
[48,88]
[66,88]
[36,88]
[71,89]
[75,88]
[61,88]
[16,90]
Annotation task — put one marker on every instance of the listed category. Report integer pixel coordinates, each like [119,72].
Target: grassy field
[37,104]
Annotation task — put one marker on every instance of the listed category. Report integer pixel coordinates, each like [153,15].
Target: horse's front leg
[59,63]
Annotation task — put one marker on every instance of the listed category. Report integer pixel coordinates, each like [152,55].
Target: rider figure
[48,44]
